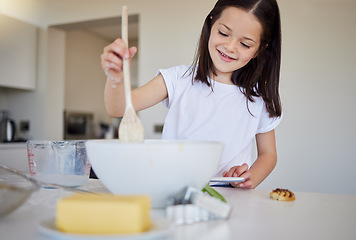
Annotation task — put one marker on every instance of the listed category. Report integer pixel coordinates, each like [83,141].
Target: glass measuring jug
[59,162]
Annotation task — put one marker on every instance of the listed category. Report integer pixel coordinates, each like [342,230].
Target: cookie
[281,194]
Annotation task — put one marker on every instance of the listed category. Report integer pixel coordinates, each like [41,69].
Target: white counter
[254,216]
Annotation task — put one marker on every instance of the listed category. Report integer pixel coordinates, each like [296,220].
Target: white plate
[160,228]
[227,179]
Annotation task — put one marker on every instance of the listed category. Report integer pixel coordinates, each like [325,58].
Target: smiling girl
[229,94]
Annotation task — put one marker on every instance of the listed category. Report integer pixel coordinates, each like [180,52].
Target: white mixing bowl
[158,168]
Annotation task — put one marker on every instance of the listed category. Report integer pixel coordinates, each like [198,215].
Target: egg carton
[192,206]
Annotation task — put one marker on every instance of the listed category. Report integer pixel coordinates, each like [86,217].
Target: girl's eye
[245,45]
[223,34]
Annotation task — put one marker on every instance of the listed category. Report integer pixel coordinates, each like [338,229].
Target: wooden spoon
[131,128]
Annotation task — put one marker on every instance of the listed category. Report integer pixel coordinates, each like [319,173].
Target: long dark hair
[259,77]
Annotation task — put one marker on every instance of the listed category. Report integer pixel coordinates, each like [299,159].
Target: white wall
[83,89]
[315,139]
[55,84]
[84,78]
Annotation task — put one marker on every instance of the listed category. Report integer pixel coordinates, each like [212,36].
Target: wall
[55,84]
[316,136]
[315,139]
[85,80]
[84,77]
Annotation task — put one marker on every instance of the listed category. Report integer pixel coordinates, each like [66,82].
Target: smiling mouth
[226,56]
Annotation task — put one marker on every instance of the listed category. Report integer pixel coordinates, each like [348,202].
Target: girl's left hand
[240,171]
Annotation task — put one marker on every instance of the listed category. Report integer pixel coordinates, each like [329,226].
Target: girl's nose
[231,46]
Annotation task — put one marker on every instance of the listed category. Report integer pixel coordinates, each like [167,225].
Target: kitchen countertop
[254,216]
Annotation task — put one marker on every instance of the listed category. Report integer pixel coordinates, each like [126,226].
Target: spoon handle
[126,65]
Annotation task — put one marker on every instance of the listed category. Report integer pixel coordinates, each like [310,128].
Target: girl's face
[234,41]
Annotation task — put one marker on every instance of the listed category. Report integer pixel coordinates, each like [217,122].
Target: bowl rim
[54,141]
[154,142]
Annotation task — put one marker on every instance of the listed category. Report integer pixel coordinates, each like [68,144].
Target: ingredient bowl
[14,189]
[158,168]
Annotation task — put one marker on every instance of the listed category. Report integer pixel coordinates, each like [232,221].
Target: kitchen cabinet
[14,155]
[18,50]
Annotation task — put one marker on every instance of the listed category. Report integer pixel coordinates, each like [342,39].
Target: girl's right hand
[112,58]
[240,171]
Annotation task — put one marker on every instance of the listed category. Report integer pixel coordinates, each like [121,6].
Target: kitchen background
[316,139]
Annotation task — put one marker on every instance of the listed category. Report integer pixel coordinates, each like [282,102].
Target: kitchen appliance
[7,127]
[78,125]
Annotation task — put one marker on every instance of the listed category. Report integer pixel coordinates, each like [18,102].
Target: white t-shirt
[198,113]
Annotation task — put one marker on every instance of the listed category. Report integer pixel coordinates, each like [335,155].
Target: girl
[229,94]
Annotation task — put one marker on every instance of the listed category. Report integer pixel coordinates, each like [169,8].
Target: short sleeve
[171,77]
[268,123]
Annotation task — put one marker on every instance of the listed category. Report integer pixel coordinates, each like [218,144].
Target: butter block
[103,214]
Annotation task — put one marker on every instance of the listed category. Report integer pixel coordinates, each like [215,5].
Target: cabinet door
[15,158]
[18,52]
